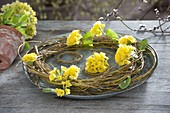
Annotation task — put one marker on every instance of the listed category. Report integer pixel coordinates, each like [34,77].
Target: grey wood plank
[60,27]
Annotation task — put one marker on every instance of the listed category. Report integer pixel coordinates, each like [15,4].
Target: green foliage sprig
[20,16]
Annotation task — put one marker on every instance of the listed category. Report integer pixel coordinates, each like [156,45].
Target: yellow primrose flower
[106,63]
[73,76]
[91,69]
[52,75]
[98,62]
[65,77]
[97,29]
[123,54]
[102,68]
[68,84]
[59,92]
[74,38]
[71,72]
[127,39]
[103,55]
[31,57]
[131,39]
[123,40]
[59,77]
[63,82]
[54,71]
[67,91]
[90,59]
[63,68]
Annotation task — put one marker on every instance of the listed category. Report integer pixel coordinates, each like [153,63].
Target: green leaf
[21,30]
[18,24]
[8,14]
[88,42]
[87,39]
[24,18]
[1,19]
[26,46]
[15,18]
[143,44]
[24,25]
[125,83]
[26,37]
[47,90]
[87,35]
[112,34]
[8,22]
[30,63]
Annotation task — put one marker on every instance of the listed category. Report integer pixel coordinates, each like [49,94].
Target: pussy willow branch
[166,28]
[113,12]
[142,28]
[159,19]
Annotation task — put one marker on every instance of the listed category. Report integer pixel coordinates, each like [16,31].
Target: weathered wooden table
[19,95]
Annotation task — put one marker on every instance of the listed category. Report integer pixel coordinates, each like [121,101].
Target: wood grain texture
[19,95]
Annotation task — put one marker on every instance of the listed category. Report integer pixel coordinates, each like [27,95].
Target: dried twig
[104,82]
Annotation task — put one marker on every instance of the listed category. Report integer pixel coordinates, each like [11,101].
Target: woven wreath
[103,77]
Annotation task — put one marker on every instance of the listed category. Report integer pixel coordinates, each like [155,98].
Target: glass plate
[150,63]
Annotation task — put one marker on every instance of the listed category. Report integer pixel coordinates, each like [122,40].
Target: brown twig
[107,81]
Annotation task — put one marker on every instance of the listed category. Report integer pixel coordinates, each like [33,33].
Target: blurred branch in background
[71,9]
[93,9]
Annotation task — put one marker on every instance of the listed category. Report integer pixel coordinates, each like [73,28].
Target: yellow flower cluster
[74,38]
[97,63]
[71,73]
[68,74]
[123,54]
[31,57]
[125,50]
[21,8]
[127,39]
[97,29]
[61,92]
